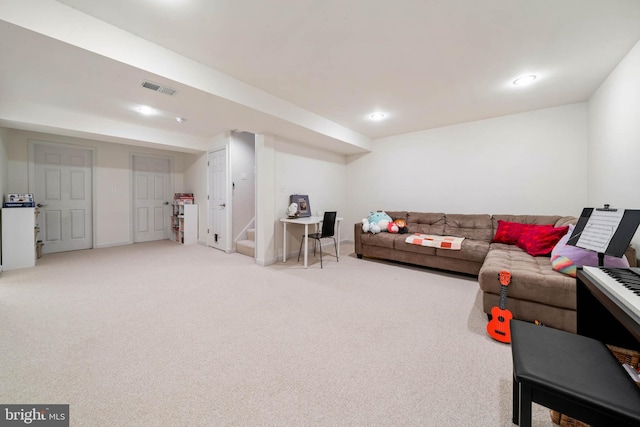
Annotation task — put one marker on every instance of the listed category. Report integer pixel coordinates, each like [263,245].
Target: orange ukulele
[499,327]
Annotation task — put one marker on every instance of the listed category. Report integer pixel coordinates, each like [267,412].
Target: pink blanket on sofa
[443,242]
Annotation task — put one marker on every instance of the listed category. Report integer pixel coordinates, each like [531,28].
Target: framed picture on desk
[304,209]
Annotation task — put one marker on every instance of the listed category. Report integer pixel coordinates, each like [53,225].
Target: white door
[218,200]
[151,195]
[63,185]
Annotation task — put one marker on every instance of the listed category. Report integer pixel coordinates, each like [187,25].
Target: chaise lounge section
[536,292]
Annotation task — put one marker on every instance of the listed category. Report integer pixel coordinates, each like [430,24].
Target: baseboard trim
[111,245]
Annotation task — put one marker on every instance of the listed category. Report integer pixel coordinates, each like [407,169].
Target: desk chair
[328,232]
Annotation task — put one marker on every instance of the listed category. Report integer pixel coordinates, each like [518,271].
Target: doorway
[151,195]
[217,236]
[63,185]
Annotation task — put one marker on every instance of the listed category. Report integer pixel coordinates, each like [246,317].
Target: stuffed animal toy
[376,222]
[370,226]
[292,210]
[393,227]
[381,218]
[402,226]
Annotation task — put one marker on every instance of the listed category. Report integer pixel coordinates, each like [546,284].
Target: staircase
[248,246]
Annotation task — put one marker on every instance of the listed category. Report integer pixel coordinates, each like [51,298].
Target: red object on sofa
[540,240]
[510,232]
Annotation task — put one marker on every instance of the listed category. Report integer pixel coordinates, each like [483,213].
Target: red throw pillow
[541,239]
[510,232]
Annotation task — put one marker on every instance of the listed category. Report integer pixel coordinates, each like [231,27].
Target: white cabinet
[184,223]
[19,235]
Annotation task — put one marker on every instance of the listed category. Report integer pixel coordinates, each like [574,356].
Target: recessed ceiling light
[180,120]
[377,116]
[525,80]
[147,111]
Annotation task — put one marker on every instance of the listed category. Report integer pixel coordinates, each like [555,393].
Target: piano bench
[572,374]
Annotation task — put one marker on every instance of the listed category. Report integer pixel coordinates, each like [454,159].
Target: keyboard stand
[599,317]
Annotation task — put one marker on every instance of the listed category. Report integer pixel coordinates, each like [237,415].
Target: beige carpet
[159,334]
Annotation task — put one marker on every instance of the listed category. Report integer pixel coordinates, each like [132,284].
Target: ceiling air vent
[158,88]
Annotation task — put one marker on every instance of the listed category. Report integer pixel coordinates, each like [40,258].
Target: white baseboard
[111,245]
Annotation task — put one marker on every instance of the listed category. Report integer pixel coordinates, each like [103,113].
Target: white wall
[243,155]
[302,169]
[112,179]
[196,181]
[4,170]
[284,168]
[614,138]
[266,214]
[529,163]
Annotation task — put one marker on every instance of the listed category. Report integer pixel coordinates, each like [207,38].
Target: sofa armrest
[357,233]
[631,256]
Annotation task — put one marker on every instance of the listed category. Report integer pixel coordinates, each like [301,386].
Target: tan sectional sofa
[536,291]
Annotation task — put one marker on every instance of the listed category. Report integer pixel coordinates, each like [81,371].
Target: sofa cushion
[403,246]
[509,232]
[566,258]
[426,223]
[539,240]
[566,220]
[398,215]
[472,250]
[532,278]
[469,226]
[526,219]
[384,240]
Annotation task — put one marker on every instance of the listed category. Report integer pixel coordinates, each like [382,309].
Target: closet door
[63,185]
[151,195]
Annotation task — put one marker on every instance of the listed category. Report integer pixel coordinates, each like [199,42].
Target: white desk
[310,220]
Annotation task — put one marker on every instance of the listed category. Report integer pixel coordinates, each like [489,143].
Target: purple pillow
[566,258]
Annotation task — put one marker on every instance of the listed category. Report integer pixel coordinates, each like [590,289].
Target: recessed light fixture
[525,80]
[377,116]
[180,120]
[147,111]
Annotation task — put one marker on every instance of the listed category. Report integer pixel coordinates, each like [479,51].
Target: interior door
[218,200]
[151,195]
[63,185]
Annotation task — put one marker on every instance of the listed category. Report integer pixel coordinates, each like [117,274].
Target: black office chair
[328,232]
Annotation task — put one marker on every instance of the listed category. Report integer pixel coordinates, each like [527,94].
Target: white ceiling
[308,70]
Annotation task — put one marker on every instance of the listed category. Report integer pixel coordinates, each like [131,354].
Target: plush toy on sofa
[402,226]
[398,226]
[376,222]
[369,227]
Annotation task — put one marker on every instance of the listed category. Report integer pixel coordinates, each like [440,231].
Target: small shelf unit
[19,237]
[184,223]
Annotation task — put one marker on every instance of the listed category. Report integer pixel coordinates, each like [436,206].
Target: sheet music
[600,228]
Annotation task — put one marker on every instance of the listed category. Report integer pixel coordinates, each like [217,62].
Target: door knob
[222,205]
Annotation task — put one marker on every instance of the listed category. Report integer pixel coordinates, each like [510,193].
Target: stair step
[251,234]
[246,247]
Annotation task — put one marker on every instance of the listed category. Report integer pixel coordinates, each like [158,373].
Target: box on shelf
[15,200]
[183,198]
